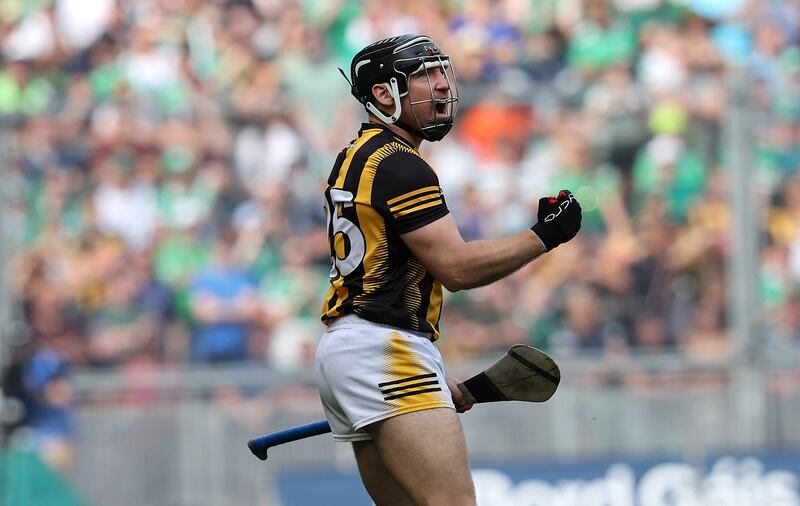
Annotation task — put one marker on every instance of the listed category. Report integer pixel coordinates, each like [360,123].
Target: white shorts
[368,372]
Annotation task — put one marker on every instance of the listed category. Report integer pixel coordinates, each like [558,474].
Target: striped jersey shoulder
[405,186]
[415,200]
[355,156]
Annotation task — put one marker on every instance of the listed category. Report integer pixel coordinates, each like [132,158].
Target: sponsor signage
[763,480]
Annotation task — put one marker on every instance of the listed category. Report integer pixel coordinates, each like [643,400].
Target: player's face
[428,91]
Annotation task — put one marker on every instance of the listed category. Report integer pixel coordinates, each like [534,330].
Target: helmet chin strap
[437,130]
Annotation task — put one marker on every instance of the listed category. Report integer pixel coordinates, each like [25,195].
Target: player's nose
[440,82]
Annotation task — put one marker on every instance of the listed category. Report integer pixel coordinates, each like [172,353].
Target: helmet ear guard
[398,108]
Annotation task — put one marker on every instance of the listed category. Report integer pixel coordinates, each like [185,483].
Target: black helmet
[392,61]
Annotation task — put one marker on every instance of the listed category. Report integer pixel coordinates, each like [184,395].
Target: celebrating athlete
[393,245]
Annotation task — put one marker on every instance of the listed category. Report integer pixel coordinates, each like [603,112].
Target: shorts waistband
[349,320]
[352,320]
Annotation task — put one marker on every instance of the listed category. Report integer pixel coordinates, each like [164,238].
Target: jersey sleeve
[407,193]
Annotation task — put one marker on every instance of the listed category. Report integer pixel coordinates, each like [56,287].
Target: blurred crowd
[163,163]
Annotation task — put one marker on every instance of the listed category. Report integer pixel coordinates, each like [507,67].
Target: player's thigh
[379,482]
[426,453]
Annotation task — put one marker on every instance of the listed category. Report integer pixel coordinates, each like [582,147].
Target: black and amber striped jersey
[379,188]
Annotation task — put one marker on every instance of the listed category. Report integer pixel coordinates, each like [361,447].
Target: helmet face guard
[409,57]
[444,108]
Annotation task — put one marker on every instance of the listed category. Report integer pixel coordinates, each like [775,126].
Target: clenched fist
[559,219]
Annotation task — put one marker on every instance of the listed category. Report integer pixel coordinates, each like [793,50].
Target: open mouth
[440,107]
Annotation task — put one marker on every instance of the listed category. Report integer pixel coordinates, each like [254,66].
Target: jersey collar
[373,126]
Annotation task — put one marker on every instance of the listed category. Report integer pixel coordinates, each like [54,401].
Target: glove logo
[561,208]
[559,219]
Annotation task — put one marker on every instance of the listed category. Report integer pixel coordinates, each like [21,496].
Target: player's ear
[383,95]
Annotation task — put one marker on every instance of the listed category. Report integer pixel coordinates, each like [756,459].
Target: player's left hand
[458,395]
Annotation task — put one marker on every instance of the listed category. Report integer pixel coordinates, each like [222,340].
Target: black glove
[559,219]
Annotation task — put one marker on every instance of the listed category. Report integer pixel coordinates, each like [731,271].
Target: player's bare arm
[459,265]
